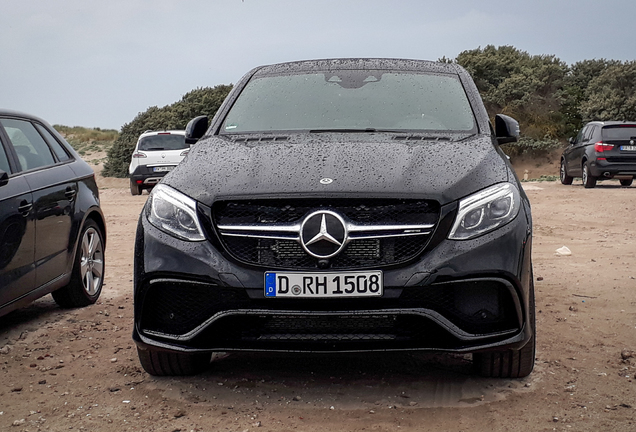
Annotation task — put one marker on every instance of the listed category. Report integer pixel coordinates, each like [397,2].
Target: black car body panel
[42,212]
[617,158]
[359,164]
[252,194]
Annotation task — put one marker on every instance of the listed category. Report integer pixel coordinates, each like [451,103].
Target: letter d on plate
[270,284]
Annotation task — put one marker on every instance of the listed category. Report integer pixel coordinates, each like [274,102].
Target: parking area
[78,369]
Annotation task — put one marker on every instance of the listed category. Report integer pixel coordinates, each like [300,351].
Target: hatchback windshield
[163,142]
[351,100]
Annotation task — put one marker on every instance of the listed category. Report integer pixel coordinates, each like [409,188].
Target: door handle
[70,193]
[25,208]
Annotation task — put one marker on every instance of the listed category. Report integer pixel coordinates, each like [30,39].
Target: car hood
[360,165]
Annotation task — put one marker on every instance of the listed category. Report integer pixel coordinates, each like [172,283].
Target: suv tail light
[139,155]
[601,147]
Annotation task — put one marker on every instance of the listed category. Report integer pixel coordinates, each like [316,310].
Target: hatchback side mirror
[195,129]
[506,129]
[4,178]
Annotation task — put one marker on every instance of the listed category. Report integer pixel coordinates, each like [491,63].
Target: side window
[589,131]
[55,145]
[597,135]
[579,136]
[4,162]
[32,150]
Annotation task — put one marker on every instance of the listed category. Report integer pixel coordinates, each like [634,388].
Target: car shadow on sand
[30,318]
[343,381]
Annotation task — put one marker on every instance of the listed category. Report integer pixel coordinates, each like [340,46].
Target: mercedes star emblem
[323,234]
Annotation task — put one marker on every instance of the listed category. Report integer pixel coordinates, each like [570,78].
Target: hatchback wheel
[589,181]
[134,188]
[88,270]
[565,178]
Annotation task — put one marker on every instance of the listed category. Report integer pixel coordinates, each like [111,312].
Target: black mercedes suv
[340,205]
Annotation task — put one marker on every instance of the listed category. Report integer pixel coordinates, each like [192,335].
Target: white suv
[156,154]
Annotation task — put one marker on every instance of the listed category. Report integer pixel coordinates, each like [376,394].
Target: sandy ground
[78,369]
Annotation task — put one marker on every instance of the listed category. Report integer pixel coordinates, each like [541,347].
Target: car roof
[14,113]
[172,132]
[611,123]
[359,63]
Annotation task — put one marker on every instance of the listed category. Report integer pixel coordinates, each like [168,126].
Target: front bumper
[461,296]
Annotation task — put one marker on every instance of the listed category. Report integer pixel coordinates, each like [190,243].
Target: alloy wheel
[92,261]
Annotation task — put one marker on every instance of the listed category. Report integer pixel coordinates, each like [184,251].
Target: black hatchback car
[52,231]
[601,151]
[340,205]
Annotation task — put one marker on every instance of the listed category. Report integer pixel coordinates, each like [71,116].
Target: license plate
[629,148]
[324,285]
[162,169]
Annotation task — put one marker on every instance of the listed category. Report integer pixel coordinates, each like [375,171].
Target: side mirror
[571,140]
[195,129]
[506,129]
[4,178]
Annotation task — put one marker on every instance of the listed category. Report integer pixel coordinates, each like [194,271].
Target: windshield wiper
[365,130]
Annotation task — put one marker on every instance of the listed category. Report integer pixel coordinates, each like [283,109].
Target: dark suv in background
[601,151]
[340,205]
[52,230]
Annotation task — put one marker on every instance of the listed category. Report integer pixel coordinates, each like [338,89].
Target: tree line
[201,101]
[550,99]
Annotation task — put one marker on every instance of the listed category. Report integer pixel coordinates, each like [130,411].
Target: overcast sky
[99,63]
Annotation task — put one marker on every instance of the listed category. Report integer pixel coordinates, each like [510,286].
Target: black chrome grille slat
[381,232]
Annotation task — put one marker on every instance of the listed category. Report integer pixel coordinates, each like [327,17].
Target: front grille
[362,211]
[360,252]
[327,328]
[177,307]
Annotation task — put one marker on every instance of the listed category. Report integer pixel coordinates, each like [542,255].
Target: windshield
[620,132]
[351,100]
[163,142]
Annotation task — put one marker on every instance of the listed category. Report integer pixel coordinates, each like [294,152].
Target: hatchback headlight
[175,213]
[485,211]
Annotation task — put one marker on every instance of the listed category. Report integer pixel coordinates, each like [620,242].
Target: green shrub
[531,147]
[85,140]
[82,134]
[202,101]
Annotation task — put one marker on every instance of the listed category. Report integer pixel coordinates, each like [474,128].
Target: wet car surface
[340,205]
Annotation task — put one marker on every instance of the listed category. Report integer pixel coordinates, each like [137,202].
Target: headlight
[485,211]
[174,213]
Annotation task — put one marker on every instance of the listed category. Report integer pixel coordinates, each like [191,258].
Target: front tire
[511,363]
[589,181]
[163,363]
[87,276]
[565,178]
